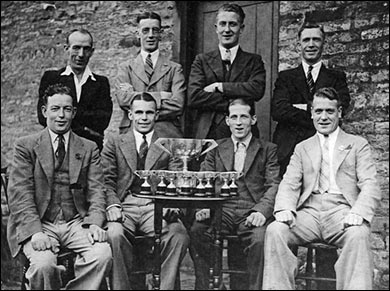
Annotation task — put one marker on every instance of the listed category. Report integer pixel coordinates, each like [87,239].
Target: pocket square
[344,148]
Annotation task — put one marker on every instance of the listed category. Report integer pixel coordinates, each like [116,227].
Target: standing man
[91,91]
[294,90]
[57,199]
[220,75]
[249,214]
[128,215]
[329,193]
[154,73]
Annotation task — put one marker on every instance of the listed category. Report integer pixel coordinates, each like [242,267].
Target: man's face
[240,121]
[144,115]
[79,51]
[311,44]
[59,113]
[325,114]
[228,28]
[149,33]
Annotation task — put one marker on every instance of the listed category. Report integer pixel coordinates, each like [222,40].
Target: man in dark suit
[128,215]
[57,198]
[249,214]
[329,193]
[91,91]
[294,90]
[160,77]
[220,75]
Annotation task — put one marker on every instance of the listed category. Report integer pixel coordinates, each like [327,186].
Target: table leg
[218,248]
[158,213]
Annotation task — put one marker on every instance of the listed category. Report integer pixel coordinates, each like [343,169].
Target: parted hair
[57,89]
[232,8]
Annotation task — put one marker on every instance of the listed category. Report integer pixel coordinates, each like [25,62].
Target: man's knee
[43,261]
[357,233]
[115,231]
[178,233]
[101,251]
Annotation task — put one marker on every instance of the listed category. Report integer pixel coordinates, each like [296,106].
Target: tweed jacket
[354,170]
[260,174]
[31,180]
[295,125]
[247,80]
[168,76]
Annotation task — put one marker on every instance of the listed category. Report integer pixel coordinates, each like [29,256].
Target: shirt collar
[153,55]
[87,72]
[246,141]
[316,66]
[139,137]
[332,136]
[54,141]
[233,52]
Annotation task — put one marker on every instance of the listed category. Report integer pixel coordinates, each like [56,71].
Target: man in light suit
[222,74]
[91,91]
[291,96]
[248,214]
[57,199]
[329,193]
[128,215]
[163,79]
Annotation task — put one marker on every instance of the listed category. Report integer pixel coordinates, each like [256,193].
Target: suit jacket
[119,158]
[168,76]
[354,170]
[260,174]
[94,109]
[295,125]
[31,179]
[247,80]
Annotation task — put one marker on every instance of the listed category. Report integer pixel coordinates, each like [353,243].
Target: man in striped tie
[153,72]
[329,193]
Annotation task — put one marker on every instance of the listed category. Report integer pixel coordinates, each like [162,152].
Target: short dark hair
[328,92]
[241,101]
[145,97]
[82,31]
[308,25]
[232,8]
[57,89]
[148,15]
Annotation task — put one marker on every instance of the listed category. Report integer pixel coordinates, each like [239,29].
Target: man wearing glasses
[155,74]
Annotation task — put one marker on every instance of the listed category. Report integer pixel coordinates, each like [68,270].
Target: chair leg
[309,267]
[325,261]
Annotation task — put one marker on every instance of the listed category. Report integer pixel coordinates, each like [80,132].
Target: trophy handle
[211,145]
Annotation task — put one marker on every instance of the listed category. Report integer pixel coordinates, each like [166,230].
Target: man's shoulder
[100,77]
[53,72]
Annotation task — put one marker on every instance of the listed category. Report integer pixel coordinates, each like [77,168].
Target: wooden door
[260,36]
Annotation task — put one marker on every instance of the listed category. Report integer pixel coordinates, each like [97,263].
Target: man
[220,75]
[154,73]
[294,89]
[91,91]
[329,193]
[249,213]
[128,215]
[57,199]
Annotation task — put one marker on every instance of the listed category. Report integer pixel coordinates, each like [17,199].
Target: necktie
[143,150]
[227,60]
[323,183]
[310,81]
[239,157]
[149,66]
[60,152]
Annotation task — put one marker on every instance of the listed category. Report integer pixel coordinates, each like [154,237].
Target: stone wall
[33,34]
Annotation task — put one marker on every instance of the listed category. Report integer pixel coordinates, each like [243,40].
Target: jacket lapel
[128,147]
[300,83]
[341,150]
[215,63]
[253,148]
[313,149]
[154,153]
[138,68]
[239,64]
[226,152]
[76,152]
[161,69]
[45,155]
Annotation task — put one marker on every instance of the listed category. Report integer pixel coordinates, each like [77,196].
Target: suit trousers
[92,265]
[140,219]
[321,219]
[233,222]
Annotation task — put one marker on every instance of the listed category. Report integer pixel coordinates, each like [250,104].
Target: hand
[255,219]
[114,213]
[95,233]
[214,87]
[40,241]
[165,95]
[171,214]
[202,214]
[352,219]
[126,87]
[285,216]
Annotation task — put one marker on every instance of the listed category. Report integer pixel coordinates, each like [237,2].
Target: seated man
[57,199]
[128,215]
[328,197]
[249,213]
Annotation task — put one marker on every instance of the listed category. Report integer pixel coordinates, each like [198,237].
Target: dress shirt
[233,52]
[246,141]
[333,188]
[154,56]
[139,138]
[315,71]
[87,73]
[54,139]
